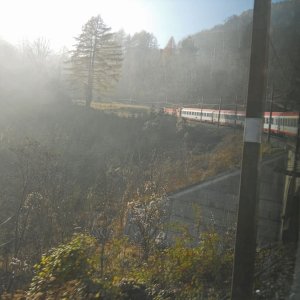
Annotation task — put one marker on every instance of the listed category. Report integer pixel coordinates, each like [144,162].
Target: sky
[59,21]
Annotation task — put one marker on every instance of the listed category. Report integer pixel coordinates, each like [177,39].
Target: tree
[96,60]
[140,78]
[147,216]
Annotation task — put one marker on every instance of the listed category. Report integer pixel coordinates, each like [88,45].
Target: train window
[272,120]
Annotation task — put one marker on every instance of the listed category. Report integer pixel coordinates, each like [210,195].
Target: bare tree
[146,216]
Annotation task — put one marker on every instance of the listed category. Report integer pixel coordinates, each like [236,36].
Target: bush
[71,261]
[184,272]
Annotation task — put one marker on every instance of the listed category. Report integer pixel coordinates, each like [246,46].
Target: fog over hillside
[95,141]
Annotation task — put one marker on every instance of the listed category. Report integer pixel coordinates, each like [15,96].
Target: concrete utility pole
[245,245]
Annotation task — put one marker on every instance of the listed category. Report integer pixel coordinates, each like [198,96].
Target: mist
[120,162]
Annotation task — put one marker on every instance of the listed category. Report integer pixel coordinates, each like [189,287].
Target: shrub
[184,272]
[67,262]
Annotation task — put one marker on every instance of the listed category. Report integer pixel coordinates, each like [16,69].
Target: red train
[282,123]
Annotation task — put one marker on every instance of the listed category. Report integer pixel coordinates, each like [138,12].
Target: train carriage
[280,123]
[224,117]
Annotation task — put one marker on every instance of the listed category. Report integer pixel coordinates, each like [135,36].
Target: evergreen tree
[96,60]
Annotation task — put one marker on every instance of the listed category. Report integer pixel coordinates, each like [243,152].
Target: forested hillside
[65,168]
[213,63]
